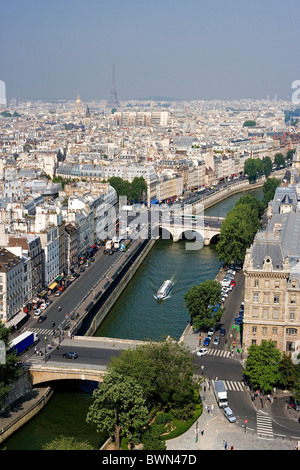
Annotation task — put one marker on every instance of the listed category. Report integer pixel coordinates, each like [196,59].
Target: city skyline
[183,50]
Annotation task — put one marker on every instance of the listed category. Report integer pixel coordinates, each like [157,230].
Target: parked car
[87,264]
[229,414]
[37,311]
[202,352]
[211,332]
[70,355]
[42,318]
[216,341]
[233,283]
[82,270]
[43,306]
[206,341]
[57,293]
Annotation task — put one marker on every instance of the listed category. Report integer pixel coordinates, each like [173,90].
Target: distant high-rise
[113,98]
[3,102]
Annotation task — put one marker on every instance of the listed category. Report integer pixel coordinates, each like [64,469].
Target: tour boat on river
[164,290]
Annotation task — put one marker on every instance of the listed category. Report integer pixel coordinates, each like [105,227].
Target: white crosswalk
[233,385]
[42,331]
[218,352]
[264,426]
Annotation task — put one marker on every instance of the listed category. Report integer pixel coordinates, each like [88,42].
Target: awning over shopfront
[43,293]
[16,319]
[53,285]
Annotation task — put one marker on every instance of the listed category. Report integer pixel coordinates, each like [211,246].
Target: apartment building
[71,246]
[11,285]
[32,250]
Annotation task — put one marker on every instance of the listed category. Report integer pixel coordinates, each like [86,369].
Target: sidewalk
[217,429]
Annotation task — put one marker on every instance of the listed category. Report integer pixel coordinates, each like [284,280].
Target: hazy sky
[184,49]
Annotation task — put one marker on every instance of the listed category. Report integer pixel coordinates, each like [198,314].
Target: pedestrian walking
[202,432]
[212,408]
[225,445]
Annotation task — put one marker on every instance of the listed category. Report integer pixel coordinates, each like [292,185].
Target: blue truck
[24,341]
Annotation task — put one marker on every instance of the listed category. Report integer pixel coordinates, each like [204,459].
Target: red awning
[93,246]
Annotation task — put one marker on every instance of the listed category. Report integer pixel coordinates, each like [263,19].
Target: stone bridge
[204,229]
[48,373]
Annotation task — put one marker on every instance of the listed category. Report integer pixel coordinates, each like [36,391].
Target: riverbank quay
[23,410]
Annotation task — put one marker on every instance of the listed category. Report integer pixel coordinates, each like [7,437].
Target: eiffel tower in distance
[113,98]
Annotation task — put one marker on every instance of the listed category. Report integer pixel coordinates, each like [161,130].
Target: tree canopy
[238,231]
[119,405]
[262,366]
[11,370]
[164,370]
[133,190]
[151,376]
[204,304]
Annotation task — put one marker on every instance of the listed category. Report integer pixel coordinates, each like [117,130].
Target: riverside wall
[104,310]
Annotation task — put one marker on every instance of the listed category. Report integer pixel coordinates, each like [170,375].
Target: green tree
[269,189]
[249,123]
[252,202]
[204,304]
[287,371]
[296,390]
[237,233]
[279,160]
[290,154]
[267,166]
[118,406]
[67,443]
[262,366]
[163,369]
[253,168]
[11,370]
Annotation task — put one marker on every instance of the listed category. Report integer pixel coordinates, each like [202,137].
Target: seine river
[135,315]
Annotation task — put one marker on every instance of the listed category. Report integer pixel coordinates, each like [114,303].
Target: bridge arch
[42,374]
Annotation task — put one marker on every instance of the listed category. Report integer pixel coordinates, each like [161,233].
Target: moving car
[42,318]
[222,332]
[229,414]
[202,352]
[70,355]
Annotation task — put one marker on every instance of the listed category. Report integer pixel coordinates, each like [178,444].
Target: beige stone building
[272,282]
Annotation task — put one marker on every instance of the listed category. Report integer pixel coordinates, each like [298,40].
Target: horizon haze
[191,50]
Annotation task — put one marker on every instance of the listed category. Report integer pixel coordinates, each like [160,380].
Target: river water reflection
[136,315]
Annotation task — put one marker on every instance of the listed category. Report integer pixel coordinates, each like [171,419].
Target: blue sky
[184,49]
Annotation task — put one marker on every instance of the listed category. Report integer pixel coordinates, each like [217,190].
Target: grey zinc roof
[267,245]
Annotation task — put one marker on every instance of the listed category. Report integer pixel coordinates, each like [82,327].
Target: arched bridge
[94,354]
[205,228]
[51,372]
